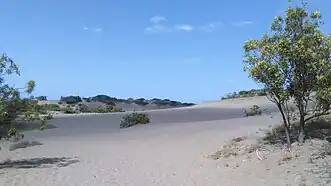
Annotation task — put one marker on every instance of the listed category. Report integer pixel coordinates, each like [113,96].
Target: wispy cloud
[157,19]
[95,29]
[157,29]
[184,27]
[158,25]
[211,27]
[242,23]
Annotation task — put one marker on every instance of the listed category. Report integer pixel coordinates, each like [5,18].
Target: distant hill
[245,93]
[104,101]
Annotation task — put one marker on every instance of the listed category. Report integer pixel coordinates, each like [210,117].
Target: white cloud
[156,29]
[157,19]
[157,26]
[242,23]
[184,27]
[96,29]
[211,27]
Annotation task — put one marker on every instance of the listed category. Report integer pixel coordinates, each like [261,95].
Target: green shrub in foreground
[254,111]
[134,119]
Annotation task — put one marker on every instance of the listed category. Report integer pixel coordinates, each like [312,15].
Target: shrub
[104,99]
[140,102]
[254,111]
[69,110]
[71,99]
[82,108]
[134,119]
[85,109]
[41,98]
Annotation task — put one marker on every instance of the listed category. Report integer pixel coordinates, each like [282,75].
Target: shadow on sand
[38,162]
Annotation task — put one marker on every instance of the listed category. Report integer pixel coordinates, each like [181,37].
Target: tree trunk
[287,131]
[301,138]
[288,138]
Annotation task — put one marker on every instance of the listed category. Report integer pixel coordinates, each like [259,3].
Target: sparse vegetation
[103,110]
[314,154]
[103,104]
[245,93]
[134,118]
[103,99]
[41,98]
[319,128]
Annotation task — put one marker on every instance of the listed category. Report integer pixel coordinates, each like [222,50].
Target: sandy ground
[162,153]
[158,156]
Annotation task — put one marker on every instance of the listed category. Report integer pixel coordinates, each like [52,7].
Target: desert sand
[172,150]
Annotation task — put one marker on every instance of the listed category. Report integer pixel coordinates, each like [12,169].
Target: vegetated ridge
[245,93]
[104,103]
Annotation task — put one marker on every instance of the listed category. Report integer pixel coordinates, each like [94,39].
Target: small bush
[102,110]
[69,110]
[254,111]
[134,119]
[82,108]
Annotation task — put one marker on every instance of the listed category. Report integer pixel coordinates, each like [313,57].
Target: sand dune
[95,123]
[142,155]
[92,150]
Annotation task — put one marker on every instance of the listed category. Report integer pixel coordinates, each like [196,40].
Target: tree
[13,108]
[293,63]
[71,100]
[104,99]
[41,98]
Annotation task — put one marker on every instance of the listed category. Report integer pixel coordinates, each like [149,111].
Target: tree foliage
[13,108]
[293,62]
[41,98]
[71,99]
[245,93]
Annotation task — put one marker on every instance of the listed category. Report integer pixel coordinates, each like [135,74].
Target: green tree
[71,100]
[293,63]
[41,98]
[13,108]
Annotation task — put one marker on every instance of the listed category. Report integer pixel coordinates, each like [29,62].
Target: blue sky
[179,49]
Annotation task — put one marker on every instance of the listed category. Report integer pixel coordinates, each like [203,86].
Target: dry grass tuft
[24,144]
